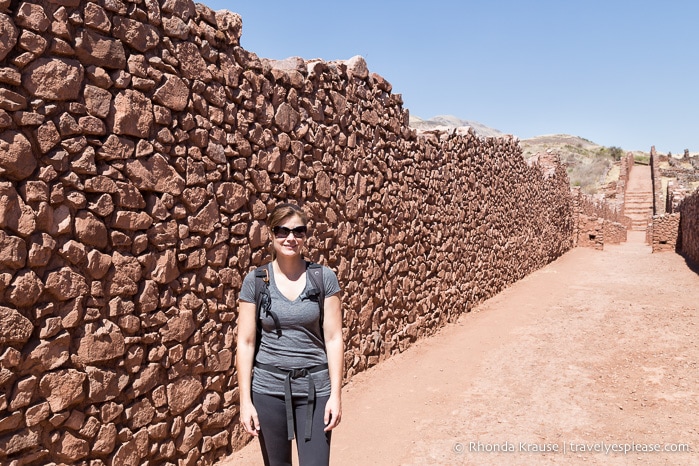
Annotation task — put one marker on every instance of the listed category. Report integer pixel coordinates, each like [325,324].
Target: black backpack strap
[314,272]
[263,300]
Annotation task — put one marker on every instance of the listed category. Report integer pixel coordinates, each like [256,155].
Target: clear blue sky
[617,72]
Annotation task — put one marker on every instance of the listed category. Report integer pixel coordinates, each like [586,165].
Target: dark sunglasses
[283,232]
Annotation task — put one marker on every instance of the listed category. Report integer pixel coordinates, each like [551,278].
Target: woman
[290,380]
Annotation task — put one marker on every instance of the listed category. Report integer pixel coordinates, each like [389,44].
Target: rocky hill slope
[447,122]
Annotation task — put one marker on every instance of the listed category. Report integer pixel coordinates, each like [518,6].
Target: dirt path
[598,350]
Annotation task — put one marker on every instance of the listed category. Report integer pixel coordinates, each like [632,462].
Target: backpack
[263,302]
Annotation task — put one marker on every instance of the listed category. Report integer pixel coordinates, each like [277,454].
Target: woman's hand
[333,413]
[334,347]
[248,417]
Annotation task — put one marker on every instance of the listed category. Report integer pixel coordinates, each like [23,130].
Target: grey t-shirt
[300,344]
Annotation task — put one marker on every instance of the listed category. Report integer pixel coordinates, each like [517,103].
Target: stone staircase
[638,207]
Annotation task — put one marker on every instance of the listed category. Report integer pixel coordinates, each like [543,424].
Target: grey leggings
[276,447]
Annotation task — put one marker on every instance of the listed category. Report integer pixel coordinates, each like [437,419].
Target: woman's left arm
[334,347]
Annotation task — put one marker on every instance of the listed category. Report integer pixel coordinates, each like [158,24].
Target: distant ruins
[140,150]
[674,226]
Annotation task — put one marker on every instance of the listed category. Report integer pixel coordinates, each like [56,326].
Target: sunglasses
[283,232]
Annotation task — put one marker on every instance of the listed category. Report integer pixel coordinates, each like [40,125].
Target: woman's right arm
[245,354]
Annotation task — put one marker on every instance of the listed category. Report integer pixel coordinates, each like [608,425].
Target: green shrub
[641,159]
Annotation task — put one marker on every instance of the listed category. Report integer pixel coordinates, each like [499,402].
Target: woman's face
[289,236]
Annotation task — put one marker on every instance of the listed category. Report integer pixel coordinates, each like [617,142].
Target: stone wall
[140,151]
[625,165]
[674,225]
[591,233]
[658,196]
[597,221]
[614,232]
[664,231]
[688,240]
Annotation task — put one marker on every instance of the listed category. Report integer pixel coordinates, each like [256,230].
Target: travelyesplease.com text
[606,448]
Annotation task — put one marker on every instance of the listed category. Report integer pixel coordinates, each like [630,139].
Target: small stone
[99,342]
[37,414]
[182,393]
[23,392]
[64,284]
[17,160]
[54,79]
[15,327]
[106,440]
[95,49]
[133,114]
[72,448]
[32,16]
[9,35]
[62,389]
[25,289]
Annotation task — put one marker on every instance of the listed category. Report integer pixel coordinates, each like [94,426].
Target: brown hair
[282,212]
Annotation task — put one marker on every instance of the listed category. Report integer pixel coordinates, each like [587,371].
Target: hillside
[589,165]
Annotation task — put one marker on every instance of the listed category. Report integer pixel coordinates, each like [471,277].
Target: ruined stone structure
[658,197]
[661,233]
[140,151]
[599,221]
[676,193]
[672,186]
[664,230]
[595,224]
[689,227]
[682,206]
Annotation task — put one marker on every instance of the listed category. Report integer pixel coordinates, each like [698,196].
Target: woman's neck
[291,267]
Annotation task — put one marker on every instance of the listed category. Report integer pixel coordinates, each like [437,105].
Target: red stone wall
[664,232]
[596,221]
[591,232]
[614,232]
[626,164]
[658,197]
[140,151]
[689,227]
[674,225]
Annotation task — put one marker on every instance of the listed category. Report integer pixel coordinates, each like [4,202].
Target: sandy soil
[597,350]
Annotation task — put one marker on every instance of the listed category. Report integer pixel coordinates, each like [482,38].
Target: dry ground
[598,348]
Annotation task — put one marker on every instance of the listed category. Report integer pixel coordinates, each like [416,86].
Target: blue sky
[616,72]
